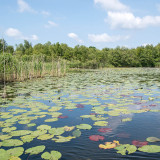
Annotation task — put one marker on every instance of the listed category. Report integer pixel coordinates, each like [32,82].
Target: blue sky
[99,23]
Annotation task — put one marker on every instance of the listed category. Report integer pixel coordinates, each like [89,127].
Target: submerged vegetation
[27,61]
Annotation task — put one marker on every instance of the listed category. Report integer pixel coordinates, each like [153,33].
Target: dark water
[114,89]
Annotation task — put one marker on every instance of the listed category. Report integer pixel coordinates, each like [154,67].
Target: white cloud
[127,20]
[75,37]
[12,32]
[23,6]
[111,5]
[45,13]
[34,37]
[50,24]
[105,38]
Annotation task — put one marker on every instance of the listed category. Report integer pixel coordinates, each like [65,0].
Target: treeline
[90,57]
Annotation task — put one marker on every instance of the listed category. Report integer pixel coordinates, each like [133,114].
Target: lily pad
[18,151]
[105,130]
[124,148]
[53,155]
[76,133]
[35,150]
[150,149]
[84,126]
[12,142]
[20,132]
[96,138]
[27,138]
[44,127]
[101,123]
[61,139]
[45,137]
[9,129]
[57,131]
[4,155]
[139,143]
[152,139]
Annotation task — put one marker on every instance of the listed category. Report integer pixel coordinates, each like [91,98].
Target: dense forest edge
[27,61]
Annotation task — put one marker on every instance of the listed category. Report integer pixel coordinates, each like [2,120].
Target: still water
[125,101]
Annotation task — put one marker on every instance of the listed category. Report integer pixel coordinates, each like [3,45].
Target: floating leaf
[62,117]
[53,155]
[122,149]
[18,151]
[152,139]
[3,137]
[20,132]
[139,143]
[14,158]
[12,142]
[27,138]
[38,133]
[101,123]
[31,124]
[84,126]
[9,129]
[66,128]
[45,137]
[109,145]
[150,148]
[44,127]
[76,133]
[104,130]
[61,139]
[80,106]
[57,131]
[4,155]
[51,120]
[96,137]
[35,150]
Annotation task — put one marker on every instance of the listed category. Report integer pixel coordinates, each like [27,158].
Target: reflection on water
[128,99]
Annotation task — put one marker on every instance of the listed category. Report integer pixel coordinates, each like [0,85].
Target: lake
[77,114]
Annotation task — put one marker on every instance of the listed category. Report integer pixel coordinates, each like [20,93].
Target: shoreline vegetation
[28,62]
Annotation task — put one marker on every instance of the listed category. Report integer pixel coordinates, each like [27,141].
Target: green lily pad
[45,137]
[84,126]
[27,138]
[31,124]
[152,139]
[122,149]
[20,132]
[61,139]
[76,133]
[4,137]
[18,151]
[51,120]
[38,133]
[4,155]
[9,129]
[12,142]
[35,150]
[150,148]
[44,127]
[101,123]
[57,131]
[53,155]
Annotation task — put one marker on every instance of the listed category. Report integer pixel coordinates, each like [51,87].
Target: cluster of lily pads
[121,95]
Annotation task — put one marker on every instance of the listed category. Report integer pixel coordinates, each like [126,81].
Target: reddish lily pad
[80,106]
[139,143]
[96,138]
[63,117]
[105,130]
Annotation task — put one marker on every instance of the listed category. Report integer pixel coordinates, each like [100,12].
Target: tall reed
[29,67]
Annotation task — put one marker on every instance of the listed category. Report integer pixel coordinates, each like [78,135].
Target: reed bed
[29,67]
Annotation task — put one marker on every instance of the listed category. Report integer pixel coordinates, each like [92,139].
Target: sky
[99,23]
